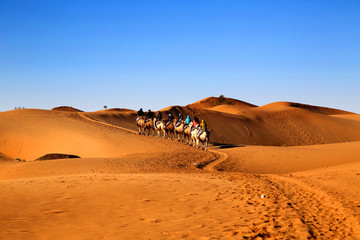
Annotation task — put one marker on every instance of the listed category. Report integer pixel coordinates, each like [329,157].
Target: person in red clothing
[195,123]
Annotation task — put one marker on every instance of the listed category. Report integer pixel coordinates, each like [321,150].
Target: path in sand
[326,208]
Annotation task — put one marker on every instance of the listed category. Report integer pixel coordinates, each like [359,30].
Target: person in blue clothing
[187,120]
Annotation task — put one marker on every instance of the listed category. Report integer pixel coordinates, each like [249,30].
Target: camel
[193,134]
[149,126]
[179,131]
[169,129]
[159,128]
[187,133]
[204,138]
[139,124]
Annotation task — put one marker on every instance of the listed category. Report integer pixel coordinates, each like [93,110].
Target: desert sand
[279,171]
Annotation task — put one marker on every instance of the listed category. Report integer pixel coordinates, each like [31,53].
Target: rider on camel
[140,112]
[203,127]
[187,120]
[159,116]
[180,119]
[149,115]
[170,118]
[195,123]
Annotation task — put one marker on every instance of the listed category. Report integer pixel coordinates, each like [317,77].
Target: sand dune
[210,102]
[66,109]
[127,186]
[29,134]
[281,106]
[232,109]
[293,126]
[277,124]
[124,118]
[255,127]
[355,117]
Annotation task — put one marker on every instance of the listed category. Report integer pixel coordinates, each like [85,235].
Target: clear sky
[154,54]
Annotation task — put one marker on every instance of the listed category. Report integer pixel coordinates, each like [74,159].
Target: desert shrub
[221,99]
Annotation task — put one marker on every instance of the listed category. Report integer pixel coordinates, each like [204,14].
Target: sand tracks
[210,165]
[288,207]
[83,116]
[323,215]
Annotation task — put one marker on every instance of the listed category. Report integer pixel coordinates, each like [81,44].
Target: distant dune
[278,106]
[121,110]
[355,117]
[121,118]
[276,124]
[232,109]
[66,109]
[215,101]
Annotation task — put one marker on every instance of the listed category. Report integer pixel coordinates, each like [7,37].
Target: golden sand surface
[281,172]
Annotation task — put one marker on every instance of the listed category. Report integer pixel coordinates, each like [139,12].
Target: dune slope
[29,134]
[288,105]
[289,127]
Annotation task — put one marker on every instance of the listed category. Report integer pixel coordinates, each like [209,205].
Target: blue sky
[154,54]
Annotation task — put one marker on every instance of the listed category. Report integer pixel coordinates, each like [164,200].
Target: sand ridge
[210,102]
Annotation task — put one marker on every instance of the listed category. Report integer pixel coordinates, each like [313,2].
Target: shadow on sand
[225,145]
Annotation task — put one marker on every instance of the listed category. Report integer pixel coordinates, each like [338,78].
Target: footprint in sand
[144,200]
[152,220]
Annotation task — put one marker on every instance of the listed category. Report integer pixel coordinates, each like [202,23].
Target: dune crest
[210,102]
[66,109]
[281,106]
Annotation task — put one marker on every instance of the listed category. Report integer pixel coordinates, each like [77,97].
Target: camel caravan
[190,132]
